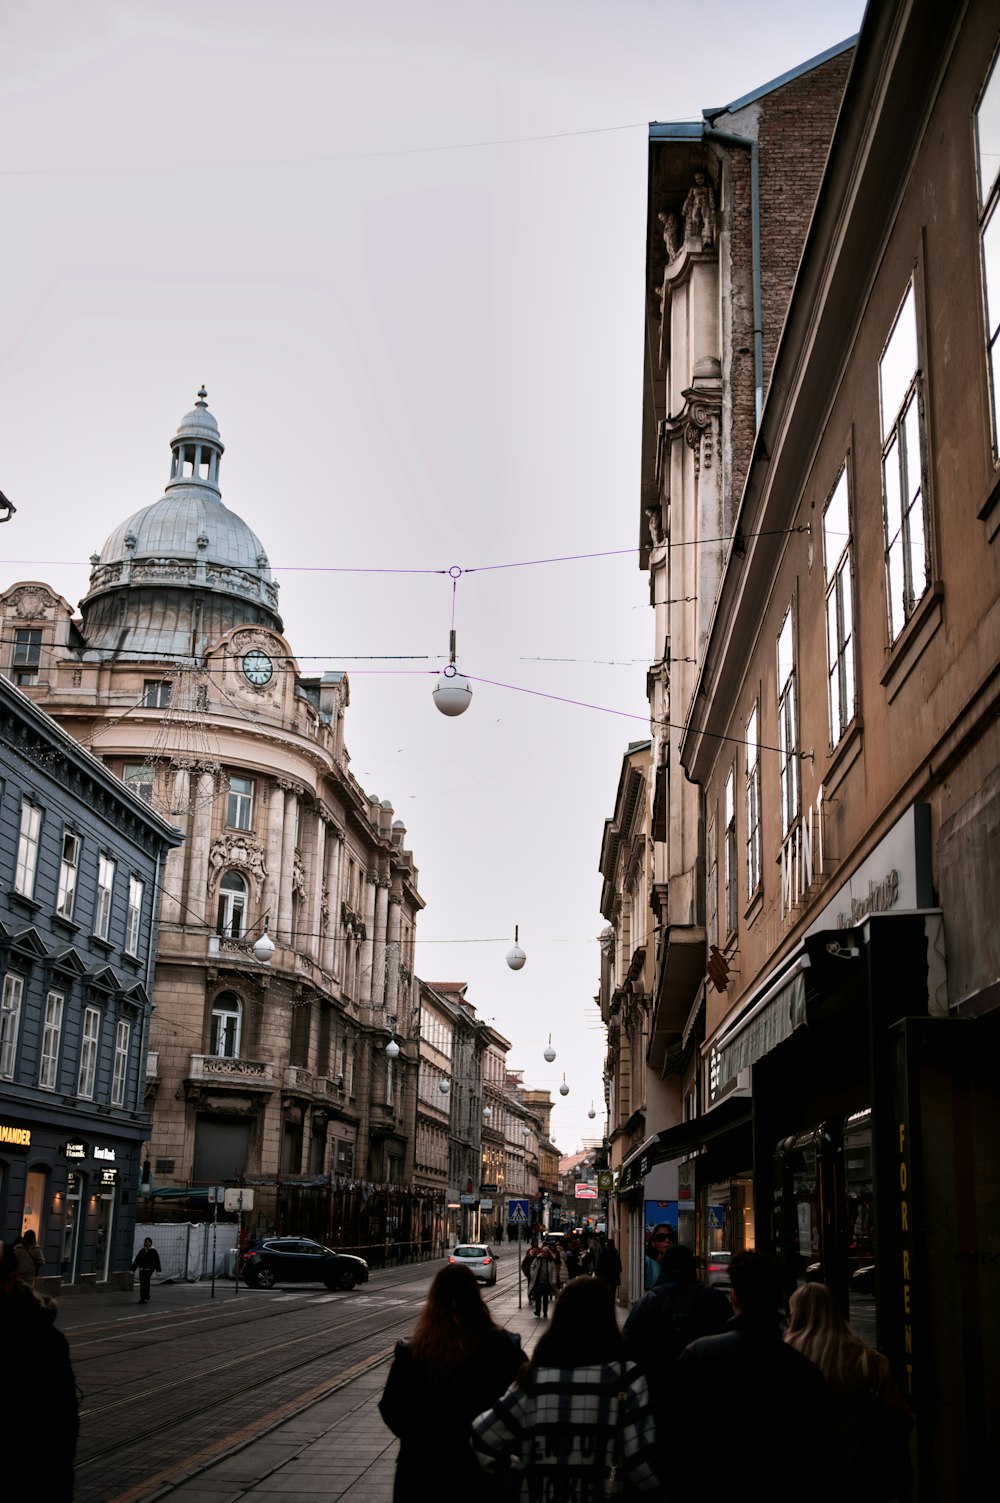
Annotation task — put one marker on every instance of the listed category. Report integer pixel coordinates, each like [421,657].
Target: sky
[403,247]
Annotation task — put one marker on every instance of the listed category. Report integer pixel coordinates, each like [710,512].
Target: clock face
[257,667]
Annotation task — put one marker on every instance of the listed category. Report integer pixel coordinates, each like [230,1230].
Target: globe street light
[515,955]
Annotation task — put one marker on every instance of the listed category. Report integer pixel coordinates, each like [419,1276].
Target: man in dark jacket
[147,1261]
[748,1389]
[675,1312]
[40,1403]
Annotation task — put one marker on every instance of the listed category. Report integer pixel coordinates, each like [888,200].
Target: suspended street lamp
[549,1053]
[564,1088]
[515,955]
[452,693]
[591,1114]
[392,1048]
[264,946]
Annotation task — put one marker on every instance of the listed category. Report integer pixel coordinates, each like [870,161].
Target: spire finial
[202,396]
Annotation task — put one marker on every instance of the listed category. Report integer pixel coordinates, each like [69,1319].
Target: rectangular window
[788,727]
[27,849]
[88,1052]
[754,856]
[10,1018]
[136,888]
[138,779]
[48,1074]
[69,868]
[712,864]
[27,655]
[730,818]
[988,166]
[239,810]
[838,570]
[907,554]
[156,693]
[105,889]
[123,1034]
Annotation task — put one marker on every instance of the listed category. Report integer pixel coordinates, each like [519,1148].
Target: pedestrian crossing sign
[517,1212]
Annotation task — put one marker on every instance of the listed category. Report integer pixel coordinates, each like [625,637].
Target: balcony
[301,1082]
[211,1069]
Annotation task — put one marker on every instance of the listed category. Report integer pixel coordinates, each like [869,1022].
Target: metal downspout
[727,138]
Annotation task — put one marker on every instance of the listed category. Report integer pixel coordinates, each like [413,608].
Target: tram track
[247,1377]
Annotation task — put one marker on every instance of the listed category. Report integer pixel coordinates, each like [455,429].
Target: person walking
[734,1387]
[608,1265]
[147,1261]
[456,1363]
[577,1424]
[873,1419]
[668,1317]
[543,1280]
[30,1258]
[40,1410]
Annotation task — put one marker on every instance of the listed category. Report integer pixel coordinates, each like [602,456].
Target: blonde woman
[872,1416]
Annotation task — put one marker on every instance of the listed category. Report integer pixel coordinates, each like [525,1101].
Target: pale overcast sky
[402,245]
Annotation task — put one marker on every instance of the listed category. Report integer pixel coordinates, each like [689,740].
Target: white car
[479,1258]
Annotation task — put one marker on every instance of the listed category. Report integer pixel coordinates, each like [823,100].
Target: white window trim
[28,841]
[48,1069]
[239,804]
[754,831]
[10,1023]
[69,875]
[123,1039]
[90,1040]
[731,863]
[913,502]
[789,784]
[220,1012]
[838,573]
[105,896]
[133,921]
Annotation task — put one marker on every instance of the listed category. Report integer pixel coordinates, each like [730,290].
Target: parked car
[299,1260]
[479,1258]
[717,1268]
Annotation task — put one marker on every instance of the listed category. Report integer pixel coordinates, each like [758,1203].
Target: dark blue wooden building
[80,862]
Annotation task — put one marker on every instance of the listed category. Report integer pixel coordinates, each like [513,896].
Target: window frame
[232,902]
[751,782]
[119,1076]
[29,839]
[10,1023]
[898,493]
[239,803]
[106,865]
[51,1041]
[222,1010]
[988,224]
[69,875]
[27,655]
[157,693]
[789,775]
[90,1044]
[841,655]
[133,917]
[731,862]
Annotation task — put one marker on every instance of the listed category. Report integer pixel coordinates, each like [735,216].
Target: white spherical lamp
[515,955]
[452,693]
[392,1049]
[549,1053]
[564,1088]
[264,947]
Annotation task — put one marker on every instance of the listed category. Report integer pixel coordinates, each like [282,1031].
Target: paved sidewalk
[338,1448]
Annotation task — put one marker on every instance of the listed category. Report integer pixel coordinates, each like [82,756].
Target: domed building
[269,1070]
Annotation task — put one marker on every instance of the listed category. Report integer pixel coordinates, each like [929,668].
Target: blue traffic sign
[517,1212]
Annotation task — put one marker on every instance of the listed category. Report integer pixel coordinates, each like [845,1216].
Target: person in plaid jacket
[577,1426]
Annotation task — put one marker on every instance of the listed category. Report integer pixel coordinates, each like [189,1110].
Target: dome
[187,524]
[185,548]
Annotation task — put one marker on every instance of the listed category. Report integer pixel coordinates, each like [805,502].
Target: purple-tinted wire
[454,593]
[566,558]
[582,704]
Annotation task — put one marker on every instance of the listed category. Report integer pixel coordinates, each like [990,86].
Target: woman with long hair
[457,1362]
[577,1424]
[872,1416]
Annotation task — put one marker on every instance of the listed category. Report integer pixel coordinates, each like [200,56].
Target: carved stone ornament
[239,851]
[298,876]
[31,603]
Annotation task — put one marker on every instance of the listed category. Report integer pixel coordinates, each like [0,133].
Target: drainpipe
[727,138]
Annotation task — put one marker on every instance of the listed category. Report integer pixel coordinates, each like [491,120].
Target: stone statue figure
[699,211]
[671,234]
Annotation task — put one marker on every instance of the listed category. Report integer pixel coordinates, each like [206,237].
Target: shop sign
[108,1154]
[586,1192]
[109,1178]
[16,1137]
[605,1181]
[469,1200]
[486,1205]
[75,1149]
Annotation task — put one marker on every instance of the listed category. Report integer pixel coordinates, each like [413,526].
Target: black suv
[298,1260]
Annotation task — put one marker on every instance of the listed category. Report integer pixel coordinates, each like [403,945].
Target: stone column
[275,824]
[287,861]
[394,958]
[334,953]
[380,956]
[314,887]
[368,948]
[201,844]
[172,905]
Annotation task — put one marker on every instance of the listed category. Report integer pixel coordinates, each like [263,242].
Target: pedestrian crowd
[780,1385]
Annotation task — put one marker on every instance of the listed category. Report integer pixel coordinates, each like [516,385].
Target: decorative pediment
[239,852]
[103,979]
[135,996]
[25,941]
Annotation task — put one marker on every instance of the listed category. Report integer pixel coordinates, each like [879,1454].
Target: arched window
[232,906]
[227,1017]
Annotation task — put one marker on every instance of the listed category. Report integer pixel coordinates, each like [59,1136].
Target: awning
[685,1138]
[772,1018]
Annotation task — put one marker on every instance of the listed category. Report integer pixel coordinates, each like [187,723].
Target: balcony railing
[240,1072]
